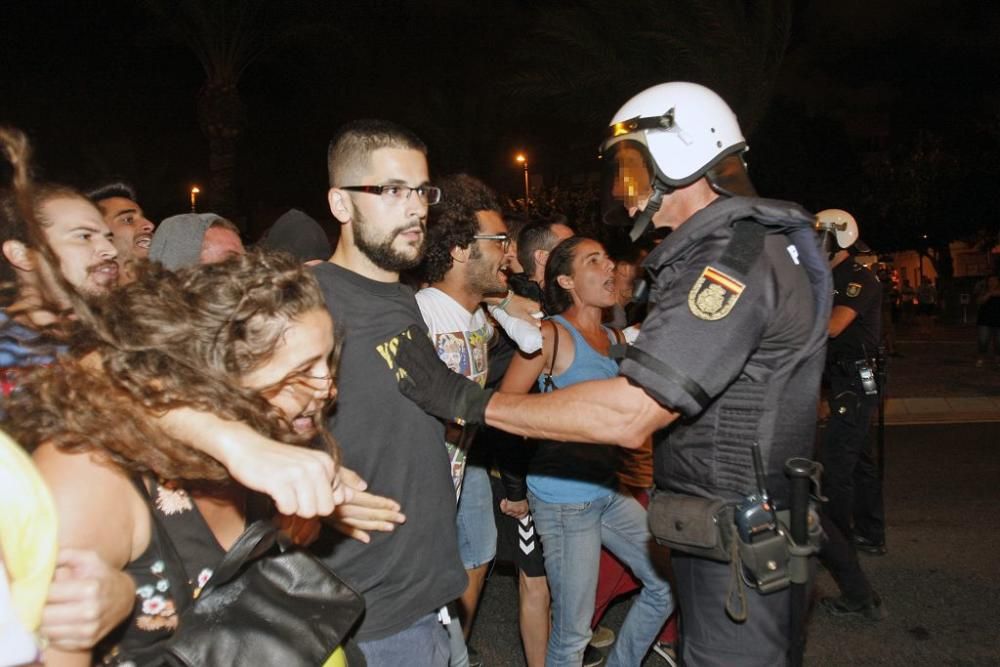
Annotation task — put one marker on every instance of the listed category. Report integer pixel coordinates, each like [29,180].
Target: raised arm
[301,481]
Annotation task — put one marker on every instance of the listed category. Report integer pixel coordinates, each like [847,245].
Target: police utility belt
[750,535]
[862,370]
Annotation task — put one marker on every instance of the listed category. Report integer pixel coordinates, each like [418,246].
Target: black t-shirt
[738,353]
[399,450]
[857,288]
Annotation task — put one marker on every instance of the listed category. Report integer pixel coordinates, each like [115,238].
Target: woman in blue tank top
[573,488]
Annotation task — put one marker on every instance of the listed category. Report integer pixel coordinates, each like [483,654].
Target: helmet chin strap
[644,217]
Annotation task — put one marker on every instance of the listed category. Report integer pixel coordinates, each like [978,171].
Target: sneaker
[865,545]
[474,659]
[592,657]
[666,651]
[871,609]
[602,637]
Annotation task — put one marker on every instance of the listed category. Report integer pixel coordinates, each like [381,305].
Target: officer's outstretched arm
[612,412]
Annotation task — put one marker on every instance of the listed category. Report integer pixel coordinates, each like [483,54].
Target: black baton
[800,471]
[882,375]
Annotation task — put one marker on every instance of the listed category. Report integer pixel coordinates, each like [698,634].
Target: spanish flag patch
[714,294]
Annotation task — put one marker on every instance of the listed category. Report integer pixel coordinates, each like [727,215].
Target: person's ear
[341,205]
[19,255]
[460,254]
[566,282]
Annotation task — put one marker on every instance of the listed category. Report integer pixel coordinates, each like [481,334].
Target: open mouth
[105,273]
[143,241]
[305,423]
[609,284]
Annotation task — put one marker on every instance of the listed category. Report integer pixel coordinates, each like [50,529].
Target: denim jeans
[985,336]
[426,642]
[476,527]
[572,535]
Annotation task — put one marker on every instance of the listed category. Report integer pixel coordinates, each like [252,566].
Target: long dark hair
[560,263]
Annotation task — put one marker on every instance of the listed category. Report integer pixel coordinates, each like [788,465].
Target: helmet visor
[627,181]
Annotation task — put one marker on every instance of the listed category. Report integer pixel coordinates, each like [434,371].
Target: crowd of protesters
[172,386]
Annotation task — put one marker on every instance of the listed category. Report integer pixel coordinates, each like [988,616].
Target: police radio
[755,515]
[763,544]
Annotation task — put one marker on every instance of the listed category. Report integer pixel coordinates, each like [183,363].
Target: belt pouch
[693,525]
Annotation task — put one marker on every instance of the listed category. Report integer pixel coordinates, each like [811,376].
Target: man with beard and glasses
[468,252]
[133,231]
[380,193]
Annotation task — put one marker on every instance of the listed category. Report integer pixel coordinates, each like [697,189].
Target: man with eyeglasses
[380,193]
[468,253]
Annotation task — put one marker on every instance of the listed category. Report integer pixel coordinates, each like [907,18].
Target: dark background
[888,109]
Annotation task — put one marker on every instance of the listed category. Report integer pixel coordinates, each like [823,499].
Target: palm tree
[588,58]
[227,37]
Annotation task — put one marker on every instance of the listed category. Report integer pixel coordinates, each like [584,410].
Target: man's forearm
[609,412]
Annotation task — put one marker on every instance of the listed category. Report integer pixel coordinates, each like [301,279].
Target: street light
[524,161]
[194,198]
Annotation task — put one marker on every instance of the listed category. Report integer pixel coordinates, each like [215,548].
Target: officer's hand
[428,382]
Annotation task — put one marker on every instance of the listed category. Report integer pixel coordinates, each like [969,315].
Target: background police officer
[730,354]
[852,481]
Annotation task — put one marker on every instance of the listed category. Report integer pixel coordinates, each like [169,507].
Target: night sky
[105,89]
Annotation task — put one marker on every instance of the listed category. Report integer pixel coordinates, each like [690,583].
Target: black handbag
[268,602]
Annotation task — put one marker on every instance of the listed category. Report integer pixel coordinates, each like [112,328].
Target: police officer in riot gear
[729,357]
[852,482]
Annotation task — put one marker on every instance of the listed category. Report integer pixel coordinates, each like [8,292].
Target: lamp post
[194,198]
[521,159]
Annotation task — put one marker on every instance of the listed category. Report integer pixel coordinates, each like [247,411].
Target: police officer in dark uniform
[852,482]
[729,357]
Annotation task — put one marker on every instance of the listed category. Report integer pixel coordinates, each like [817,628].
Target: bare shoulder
[98,506]
[560,344]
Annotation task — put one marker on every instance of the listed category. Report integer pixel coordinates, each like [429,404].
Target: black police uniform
[735,342]
[851,479]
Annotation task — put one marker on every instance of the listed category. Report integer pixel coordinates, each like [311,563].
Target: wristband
[506,300]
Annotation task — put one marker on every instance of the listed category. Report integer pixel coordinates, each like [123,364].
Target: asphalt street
[939,581]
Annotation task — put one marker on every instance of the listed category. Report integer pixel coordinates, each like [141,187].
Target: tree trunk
[222,118]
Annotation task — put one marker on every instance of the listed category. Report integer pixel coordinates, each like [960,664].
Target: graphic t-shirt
[461,339]
[396,447]
[22,348]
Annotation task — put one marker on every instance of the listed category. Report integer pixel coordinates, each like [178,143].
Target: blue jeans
[426,642]
[572,535]
[477,529]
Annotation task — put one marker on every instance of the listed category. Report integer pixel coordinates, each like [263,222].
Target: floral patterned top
[155,615]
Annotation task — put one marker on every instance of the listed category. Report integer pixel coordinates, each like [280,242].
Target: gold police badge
[853,289]
[714,294]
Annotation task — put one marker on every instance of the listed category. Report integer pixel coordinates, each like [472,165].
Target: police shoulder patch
[853,289]
[714,294]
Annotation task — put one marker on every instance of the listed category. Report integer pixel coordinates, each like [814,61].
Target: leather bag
[268,602]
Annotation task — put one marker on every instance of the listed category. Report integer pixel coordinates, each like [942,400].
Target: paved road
[940,580]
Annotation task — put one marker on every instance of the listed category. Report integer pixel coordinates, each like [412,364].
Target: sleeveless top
[568,472]
[155,615]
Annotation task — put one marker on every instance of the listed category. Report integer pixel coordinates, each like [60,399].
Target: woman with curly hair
[573,489]
[249,339]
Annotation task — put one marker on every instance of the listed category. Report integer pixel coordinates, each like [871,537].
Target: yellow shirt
[28,539]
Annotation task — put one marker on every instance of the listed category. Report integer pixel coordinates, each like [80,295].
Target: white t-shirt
[461,339]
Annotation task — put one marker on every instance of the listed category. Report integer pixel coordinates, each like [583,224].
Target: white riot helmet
[840,231]
[664,138]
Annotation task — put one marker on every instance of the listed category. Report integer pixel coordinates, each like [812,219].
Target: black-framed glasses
[396,192]
[503,239]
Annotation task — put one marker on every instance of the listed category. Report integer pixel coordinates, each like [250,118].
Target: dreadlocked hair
[168,341]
